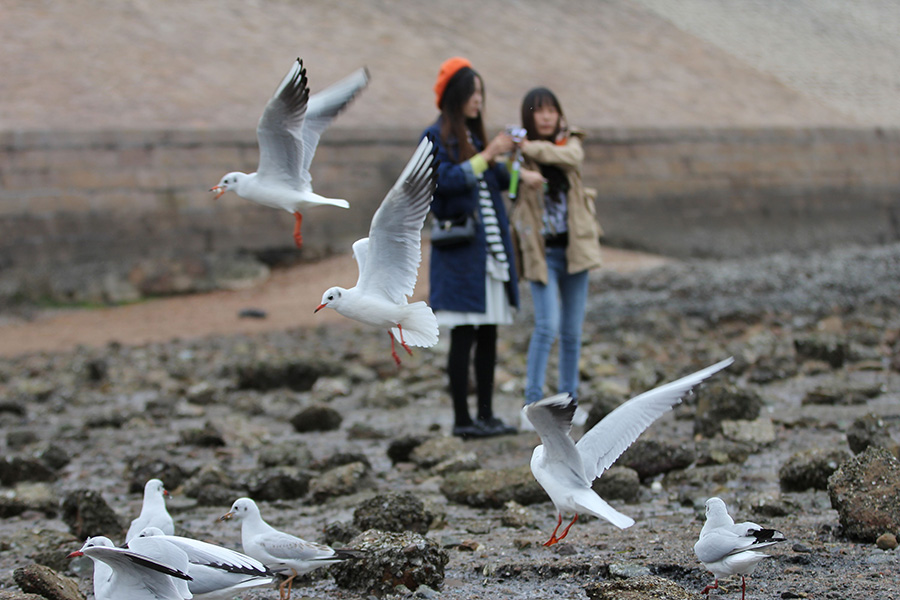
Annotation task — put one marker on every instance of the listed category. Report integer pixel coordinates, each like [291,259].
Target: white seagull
[288,133]
[217,573]
[281,552]
[389,260]
[566,470]
[121,573]
[153,511]
[726,548]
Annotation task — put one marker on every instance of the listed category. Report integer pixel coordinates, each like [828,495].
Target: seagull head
[241,509]
[155,487]
[331,298]
[228,182]
[93,542]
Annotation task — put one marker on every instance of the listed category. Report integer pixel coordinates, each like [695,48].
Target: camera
[516,133]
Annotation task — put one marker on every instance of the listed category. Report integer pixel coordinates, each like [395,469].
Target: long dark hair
[535,99]
[557,180]
[454,124]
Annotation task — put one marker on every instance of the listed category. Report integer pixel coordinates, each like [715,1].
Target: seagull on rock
[726,548]
[217,573]
[281,552]
[288,133]
[566,470]
[153,511]
[121,573]
[389,260]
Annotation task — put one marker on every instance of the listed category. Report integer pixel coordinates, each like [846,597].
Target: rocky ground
[315,422]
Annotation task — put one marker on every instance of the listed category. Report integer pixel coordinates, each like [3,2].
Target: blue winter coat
[457,276]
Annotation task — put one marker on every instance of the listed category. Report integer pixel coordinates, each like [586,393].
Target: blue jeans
[558,309]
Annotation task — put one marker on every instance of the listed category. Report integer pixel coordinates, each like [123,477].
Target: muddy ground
[106,409]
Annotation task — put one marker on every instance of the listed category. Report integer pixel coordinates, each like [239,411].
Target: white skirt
[497,310]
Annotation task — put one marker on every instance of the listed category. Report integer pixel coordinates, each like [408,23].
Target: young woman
[473,284]
[557,239]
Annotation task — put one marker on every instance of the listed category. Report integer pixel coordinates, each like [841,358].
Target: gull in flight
[281,552]
[217,573]
[288,133]
[153,511]
[566,470]
[389,260]
[726,548]
[123,573]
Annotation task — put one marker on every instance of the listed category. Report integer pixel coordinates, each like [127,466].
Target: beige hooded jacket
[526,219]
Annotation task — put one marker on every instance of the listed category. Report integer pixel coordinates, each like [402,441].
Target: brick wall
[100,216]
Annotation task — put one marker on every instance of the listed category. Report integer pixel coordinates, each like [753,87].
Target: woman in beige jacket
[556,236]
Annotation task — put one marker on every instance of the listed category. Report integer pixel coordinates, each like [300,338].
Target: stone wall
[113,216]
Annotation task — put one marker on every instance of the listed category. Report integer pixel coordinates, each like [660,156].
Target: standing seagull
[728,549]
[121,573]
[288,133]
[153,511]
[566,470]
[216,573]
[281,552]
[389,260]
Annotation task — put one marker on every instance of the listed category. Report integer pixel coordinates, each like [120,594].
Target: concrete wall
[112,216]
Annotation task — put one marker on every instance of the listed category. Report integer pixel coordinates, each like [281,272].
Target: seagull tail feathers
[589,502]
[419,325]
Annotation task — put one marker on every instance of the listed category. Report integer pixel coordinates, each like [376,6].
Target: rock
[48,547]
[389,560]
[39,497]
[54,456]
[822,346]
[870,430]
[340,481]
[886,541]
[493,488]
[437,450]
[516,516]
[760,432]
[44,581]
[842,394]
[279,483]
[654,457]
[339,459]
[718,451]
[213,486]
[619,483]
[603,404]
[203,393]
[810,469]
[396,512]
[400,449]
[317,417]
[720,401]
[286,454]
[645,587]
[458,463]
[207,436]
[627,570]
[298,375]
[16,469]
[339,533]
[87,514]
[13,595]
[865,491]
[364,431]
[19,438]
[145,467]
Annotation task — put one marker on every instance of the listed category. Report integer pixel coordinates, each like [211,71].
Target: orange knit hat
[449,68]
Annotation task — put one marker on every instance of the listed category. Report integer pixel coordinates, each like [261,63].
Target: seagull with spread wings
[566,470]
[288,134]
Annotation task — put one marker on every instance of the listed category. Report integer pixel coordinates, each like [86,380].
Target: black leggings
[462,337]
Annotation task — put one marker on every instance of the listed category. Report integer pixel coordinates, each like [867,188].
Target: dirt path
[288,298]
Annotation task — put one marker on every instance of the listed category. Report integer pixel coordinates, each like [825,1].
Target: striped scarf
[491,225]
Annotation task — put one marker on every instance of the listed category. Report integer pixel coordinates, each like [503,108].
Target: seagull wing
[323,107]
[360,252]
[285,547]
[608,439]
[552,419]
[204,553]
[395,236]
[139,577]
[280,128]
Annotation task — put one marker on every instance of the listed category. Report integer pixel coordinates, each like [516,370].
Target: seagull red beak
[318,308]
[166,493]
[226,516]
[75,554]
[217,188]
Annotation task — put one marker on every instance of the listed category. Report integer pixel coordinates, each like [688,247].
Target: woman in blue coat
[473,284]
